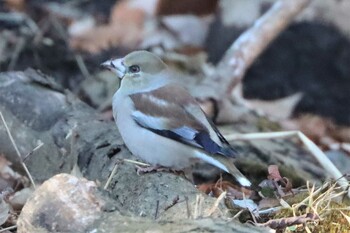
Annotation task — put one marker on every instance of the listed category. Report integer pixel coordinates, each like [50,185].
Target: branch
[243,52]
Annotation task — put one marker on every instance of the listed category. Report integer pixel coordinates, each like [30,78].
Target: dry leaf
[341,133]
[16,5]
[233,191]
[8,177]
[274,173]
[125,29]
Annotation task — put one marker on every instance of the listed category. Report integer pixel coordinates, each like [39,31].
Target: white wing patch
[157,101]
[148,121]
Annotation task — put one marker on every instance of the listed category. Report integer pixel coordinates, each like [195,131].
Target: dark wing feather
[226,148]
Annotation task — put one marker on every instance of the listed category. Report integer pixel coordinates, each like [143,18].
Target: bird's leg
[157,168]
[187,172]
[142,170]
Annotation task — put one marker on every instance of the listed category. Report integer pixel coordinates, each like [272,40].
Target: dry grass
[328,202]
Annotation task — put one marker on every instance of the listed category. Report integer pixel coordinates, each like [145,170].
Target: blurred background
[302,79]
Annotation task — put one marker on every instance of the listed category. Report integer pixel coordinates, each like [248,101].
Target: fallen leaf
[125,29]
[274,173]
[9,179]
[275,183]
[233,191]
[16,5]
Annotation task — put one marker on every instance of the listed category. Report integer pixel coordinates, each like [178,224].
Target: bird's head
[139,70]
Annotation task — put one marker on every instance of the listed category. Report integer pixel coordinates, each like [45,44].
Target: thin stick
[17,151]
[325,162]
[8,228]
[111,176]
[308,198]
[136,162]
[237,215]
[79,60]
[188,208]
[254,136]
[270,210]
[197,206]
[82,66]
[35,149]
[157,210]
[216,204]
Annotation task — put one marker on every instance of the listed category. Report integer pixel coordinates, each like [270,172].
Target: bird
[161,122]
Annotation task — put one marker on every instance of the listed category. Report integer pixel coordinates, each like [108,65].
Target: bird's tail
[233,170]
[227,165]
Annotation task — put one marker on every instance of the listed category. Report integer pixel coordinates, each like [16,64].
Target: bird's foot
[157,168]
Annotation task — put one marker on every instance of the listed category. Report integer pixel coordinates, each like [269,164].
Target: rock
[63,203]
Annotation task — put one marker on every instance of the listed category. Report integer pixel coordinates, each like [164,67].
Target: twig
[111,176]
[173,203]
[197,206]
[216,204]
[309,199]
[8,228]
[188,208]
[237,215]
[82,66]
[136,162]
[157,210]
[252,43]
[17,151]
[35,149]
[270,210]
[79,60]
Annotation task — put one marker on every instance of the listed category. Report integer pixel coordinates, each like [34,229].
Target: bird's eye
[134,69]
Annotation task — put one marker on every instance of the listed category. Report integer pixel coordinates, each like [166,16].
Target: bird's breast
[150,147]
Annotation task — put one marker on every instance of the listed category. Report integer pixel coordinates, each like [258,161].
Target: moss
[331,219]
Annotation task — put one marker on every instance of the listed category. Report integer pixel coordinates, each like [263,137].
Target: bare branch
[252,43]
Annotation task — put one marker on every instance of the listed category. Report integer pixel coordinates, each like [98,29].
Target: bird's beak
[115,65]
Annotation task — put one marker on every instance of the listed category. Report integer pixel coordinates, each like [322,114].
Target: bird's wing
[179,117]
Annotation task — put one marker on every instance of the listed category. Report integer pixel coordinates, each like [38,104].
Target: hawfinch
[159,120]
